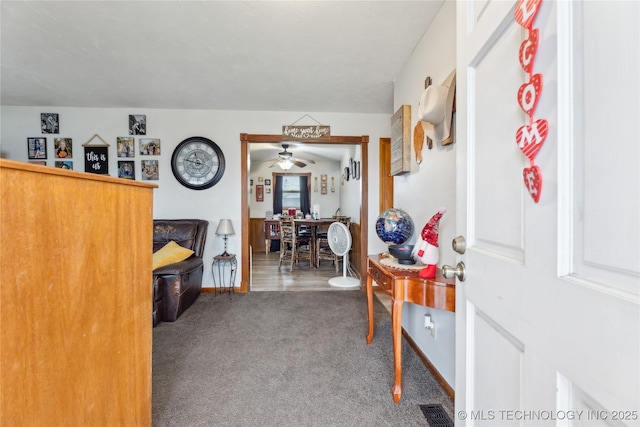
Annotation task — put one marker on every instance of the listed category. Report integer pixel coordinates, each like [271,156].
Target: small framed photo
[63,165]
[250,182]
[267,190]
[267,182]
[149,146]
[126,169]
[37,148]
[38,162]
[260,179]
[63,148]
[125,146]
[49,123]
[137,124]
[150,170]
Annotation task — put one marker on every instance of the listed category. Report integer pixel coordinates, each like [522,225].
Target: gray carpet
[285,359]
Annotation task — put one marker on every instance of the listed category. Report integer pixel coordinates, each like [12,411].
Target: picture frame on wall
[63,164]
[149,146]
[259,193]
[150,170]
[125,146]
[267,182]
[137,124]
[37,148]
[49,123]
[126,169]
[63,148]
[401,141]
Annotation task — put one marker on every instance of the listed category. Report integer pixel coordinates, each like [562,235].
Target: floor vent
[436,415]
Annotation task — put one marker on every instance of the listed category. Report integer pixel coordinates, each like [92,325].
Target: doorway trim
[245,140]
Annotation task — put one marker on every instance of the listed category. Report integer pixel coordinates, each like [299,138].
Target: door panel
[497,193]
[548,317]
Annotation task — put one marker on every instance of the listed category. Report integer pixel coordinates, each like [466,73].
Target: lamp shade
[225,227]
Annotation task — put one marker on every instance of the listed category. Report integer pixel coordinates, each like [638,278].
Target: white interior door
[547,321]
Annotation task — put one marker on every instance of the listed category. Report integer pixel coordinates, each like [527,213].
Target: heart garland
[530,137]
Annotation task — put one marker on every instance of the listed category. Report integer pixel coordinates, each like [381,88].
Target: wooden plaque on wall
[401,141]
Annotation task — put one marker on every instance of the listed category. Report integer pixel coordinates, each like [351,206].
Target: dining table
[313,225]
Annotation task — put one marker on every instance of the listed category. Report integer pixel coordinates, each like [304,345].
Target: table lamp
[225,228]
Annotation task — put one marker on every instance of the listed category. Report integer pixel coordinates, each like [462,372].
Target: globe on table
[394,226]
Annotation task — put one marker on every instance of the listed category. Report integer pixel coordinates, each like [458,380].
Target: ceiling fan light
[285,164]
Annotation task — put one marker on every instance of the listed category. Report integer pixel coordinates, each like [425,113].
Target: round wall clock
[197,163]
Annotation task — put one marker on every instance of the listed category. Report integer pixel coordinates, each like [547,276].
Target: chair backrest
[188,233]
[287,229]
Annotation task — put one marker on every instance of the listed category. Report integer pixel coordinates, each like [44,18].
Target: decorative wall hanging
[436,110]
[259,193]
[96,155]
[531,136]
[318,132]
[333,184]
[315,184]
[401,141]
[37,148]
[323,184]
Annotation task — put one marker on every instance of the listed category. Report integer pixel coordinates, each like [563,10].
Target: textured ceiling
[310,56]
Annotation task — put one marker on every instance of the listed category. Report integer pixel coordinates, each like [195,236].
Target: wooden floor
[266,276]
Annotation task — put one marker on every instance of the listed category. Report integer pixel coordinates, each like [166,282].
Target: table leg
[370,307]
[396,329]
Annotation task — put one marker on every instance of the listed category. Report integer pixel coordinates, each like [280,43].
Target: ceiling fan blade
[304,160]
[275,162]
[298,163]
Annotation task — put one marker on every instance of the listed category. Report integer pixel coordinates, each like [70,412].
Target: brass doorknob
[460,272]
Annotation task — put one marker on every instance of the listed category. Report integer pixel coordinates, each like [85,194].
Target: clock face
[197,163]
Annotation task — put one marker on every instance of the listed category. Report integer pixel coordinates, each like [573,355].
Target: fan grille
[339,238]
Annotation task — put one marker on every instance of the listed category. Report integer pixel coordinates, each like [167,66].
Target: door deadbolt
[459,244]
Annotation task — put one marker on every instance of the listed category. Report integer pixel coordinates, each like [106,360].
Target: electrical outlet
[428,324]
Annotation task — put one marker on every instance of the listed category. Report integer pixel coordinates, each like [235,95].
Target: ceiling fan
[286,160]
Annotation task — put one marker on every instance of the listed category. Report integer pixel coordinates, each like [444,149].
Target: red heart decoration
[529,94]
[531,137]
[526,11]
[528,50]
[533,181]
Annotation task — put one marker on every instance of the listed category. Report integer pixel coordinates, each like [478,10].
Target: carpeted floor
[284,359]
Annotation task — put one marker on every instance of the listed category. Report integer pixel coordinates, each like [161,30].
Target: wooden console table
[405,285]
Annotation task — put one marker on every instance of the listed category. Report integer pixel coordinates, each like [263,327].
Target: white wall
[171,200]
[431,184]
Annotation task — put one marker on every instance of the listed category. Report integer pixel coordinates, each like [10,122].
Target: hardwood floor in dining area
[266,276]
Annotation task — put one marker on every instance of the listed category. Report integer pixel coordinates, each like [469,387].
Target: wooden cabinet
[76,298]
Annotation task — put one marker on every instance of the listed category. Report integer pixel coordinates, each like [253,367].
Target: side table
[224,268]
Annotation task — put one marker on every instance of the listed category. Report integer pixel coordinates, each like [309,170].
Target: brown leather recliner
[179,284]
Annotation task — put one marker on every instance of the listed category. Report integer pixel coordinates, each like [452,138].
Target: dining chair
[292,247]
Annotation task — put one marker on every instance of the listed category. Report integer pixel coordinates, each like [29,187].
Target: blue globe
[394,226]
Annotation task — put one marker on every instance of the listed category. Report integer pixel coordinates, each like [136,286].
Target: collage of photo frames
[96,153]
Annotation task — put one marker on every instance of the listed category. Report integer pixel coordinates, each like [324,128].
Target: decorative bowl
[402,253]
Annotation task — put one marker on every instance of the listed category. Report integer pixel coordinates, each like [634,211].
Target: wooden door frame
[386,180]
[245,140]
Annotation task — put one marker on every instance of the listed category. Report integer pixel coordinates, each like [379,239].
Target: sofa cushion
[169,254]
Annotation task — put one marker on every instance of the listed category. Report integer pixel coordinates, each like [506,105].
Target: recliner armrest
[179,267]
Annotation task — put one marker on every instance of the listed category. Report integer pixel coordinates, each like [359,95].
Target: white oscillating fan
[340,243]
